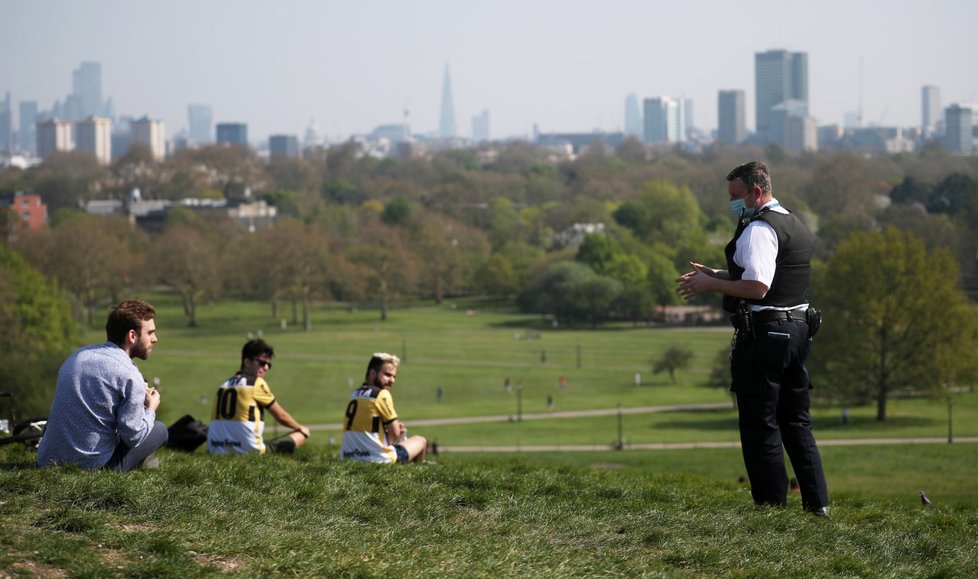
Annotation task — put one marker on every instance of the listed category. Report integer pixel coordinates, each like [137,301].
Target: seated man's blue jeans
[125,459]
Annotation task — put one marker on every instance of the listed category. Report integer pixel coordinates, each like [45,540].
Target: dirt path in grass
[646,446]
[549,415]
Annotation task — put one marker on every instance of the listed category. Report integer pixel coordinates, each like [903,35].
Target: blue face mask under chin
[740,209]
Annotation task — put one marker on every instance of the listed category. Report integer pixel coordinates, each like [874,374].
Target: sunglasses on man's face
[266,363]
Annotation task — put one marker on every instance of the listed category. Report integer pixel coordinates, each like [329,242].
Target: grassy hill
[660,513]
[312,515]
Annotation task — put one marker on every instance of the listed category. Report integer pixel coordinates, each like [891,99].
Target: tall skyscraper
[283,146]
[633,117]
[201,121]
[959,128]
[232,134]
[664,120]
[930,100]
[480,127]
[446,124]
[94,135]
[731,117]
[686,126]
[6,126]
[779,75]
[53,136]
[151,133]
[28,127]
[87,89]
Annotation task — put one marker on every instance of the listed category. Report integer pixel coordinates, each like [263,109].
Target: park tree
[669,215]
[671,360]
[842,184]
[94,258]
[303,267]
[497,277]
[571,291]
[233,171]
[65,180]
[190,265]
[450,252]
[389,269]
[953,194]
[887,303]
[598,251]
[38,332]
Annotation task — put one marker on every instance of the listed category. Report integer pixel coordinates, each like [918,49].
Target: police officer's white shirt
[757,250]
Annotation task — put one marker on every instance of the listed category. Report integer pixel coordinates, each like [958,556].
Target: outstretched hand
[696,282]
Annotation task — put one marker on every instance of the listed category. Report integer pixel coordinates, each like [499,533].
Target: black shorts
[402,454]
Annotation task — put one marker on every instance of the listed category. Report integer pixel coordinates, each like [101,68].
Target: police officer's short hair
[754,173]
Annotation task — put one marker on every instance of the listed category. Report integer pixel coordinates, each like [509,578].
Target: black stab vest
[793,272]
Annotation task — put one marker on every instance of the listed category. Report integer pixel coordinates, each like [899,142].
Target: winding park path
[646,446]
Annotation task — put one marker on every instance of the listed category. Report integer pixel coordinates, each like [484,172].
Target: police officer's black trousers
[772,387]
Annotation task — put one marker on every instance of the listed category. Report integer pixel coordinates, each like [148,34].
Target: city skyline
[565,66]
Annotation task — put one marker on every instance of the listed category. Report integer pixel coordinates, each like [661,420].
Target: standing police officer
[765,286]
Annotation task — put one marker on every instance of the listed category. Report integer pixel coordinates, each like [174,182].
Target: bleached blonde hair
[378,360]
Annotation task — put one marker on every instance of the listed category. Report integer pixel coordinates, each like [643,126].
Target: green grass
[468,355]
[600,514]
[661,513]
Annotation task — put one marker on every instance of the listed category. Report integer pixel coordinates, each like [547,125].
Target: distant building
[446,123]
[686,109]
[574,235]
[930,110]
[94,135]
[664,120]
[283,147]
[86,94]
[779,76]
[480,127]
[800,134]
[7,144]
[232,134]
[121,136]
[633,117]
[959,128]
[578,142]
[28,206]
[314,137]
[200,120]
[151,133]
[28,127]
[151,214]
[780,116]
[53,136]
[731,117]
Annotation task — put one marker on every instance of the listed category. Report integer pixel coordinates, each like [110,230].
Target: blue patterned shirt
[100,402]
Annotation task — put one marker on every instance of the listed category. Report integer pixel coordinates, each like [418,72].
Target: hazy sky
[566,65]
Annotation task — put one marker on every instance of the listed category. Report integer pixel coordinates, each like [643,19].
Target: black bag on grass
[187,434]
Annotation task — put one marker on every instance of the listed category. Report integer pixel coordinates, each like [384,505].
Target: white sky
[567,65]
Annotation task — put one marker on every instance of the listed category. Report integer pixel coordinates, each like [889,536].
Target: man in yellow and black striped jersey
[238,422]
[371,430]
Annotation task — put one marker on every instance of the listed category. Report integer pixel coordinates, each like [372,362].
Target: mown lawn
[312,515]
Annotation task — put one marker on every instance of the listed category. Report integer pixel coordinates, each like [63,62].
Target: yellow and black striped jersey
[367,414]
[238,421]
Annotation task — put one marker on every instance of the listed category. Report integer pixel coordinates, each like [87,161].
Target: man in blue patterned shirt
[103,414]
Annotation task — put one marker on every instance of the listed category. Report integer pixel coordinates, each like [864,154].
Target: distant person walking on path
[765,287]
[371,429]
[104,413]
[238,423]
